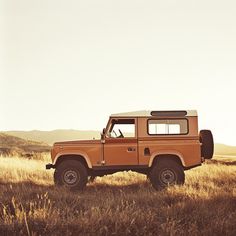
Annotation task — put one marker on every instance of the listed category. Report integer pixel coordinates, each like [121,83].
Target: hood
[77,142]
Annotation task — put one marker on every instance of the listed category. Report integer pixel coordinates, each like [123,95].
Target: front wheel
[72,174]
[166,173]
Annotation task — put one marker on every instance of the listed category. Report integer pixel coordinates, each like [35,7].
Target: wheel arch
[176,156]
[73,156]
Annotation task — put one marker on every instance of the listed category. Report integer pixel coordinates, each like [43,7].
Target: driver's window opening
[122,128]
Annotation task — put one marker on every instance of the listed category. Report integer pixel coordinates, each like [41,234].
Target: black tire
[166,172]
[72,174]
[207,148]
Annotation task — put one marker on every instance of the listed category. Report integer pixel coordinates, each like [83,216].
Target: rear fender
[166,152]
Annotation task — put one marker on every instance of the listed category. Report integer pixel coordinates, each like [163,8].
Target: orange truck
[159,144]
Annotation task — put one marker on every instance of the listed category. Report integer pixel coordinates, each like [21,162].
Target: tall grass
[119,204]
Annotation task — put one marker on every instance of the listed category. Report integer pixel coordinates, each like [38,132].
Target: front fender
[79,153]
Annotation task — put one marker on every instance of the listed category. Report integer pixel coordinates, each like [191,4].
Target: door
[121,146]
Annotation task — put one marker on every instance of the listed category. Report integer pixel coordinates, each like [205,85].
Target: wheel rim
[168,177]
[71,177]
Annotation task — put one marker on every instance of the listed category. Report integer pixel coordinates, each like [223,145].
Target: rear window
[167,126]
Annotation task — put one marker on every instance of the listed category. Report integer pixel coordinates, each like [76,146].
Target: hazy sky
[69,64]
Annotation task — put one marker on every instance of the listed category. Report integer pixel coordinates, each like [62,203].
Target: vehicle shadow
[222,162]
[9,189]
[131,187]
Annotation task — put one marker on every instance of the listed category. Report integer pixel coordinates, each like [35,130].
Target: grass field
[119,204]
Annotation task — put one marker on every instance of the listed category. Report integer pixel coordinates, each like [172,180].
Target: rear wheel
[166,173]
[72,174]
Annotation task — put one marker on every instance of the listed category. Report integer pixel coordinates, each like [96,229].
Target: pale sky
[70,64]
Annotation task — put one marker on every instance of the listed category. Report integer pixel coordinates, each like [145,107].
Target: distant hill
[50,137]
[10,145]
[222,149]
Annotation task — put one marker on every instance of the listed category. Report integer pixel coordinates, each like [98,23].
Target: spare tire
[207,147]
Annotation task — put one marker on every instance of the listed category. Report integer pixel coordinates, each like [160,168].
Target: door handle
[131,149]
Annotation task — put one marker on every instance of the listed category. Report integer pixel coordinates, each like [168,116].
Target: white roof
[145,113]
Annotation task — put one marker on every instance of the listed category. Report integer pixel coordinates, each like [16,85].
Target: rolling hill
[11,145]
[50,137]
[222,149]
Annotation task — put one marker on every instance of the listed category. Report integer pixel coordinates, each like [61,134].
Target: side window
[122,128]
[167,127]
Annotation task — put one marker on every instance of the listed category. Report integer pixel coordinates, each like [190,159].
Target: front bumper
[50,166]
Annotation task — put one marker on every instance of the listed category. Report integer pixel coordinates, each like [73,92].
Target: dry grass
[121,204]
